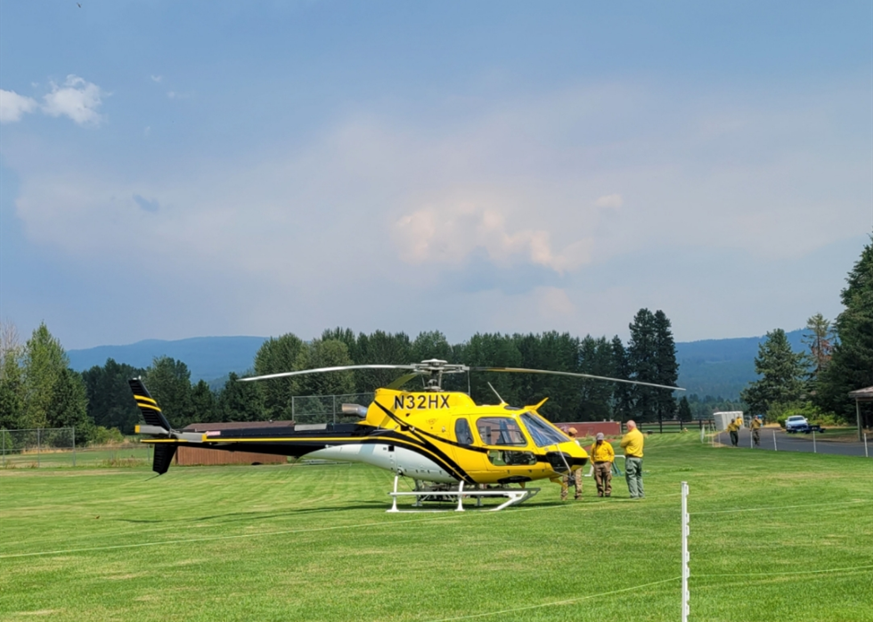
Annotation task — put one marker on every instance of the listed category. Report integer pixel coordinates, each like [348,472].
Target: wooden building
[196,456]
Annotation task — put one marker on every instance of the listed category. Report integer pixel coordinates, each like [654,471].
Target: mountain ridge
[716,367]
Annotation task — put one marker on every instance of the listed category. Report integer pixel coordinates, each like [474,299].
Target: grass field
[774,536]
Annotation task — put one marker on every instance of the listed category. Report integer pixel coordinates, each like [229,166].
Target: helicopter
[441,439]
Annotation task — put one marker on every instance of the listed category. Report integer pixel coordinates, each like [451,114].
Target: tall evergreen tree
[110,403]
[782,374]
[169,382]
[820,341]
[241,401]
[44,363]
[11,378]
[554,351]
[326,353]
[643,361]
[851,364]
[381,348]
[622,393]
[684,410]
[347,336]
[431,345]
[596,357]
[276,356]
[667,368]
[203,404]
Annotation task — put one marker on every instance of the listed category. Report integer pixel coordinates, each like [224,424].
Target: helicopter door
[506,446]
[469,460]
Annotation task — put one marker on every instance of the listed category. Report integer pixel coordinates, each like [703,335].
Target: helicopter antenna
[496,393]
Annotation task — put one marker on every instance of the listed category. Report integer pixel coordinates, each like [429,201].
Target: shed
[861,395]
[191,456]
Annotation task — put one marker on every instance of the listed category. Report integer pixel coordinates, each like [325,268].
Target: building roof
[862,394]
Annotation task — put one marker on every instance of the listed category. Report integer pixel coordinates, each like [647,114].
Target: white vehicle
[796,423]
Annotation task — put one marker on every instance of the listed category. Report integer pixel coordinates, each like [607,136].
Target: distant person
[733,430]
[756,430]
[602,455]
[632,443]
[575,476]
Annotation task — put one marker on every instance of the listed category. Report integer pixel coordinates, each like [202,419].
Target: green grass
[774,536]
[138,455]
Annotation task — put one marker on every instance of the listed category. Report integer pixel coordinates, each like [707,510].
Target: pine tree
[622,393]
[642,359]
[783,372]
[169,382]
[666,366]
[684,410]
[820,341]
[274,357]
[851,364]
[241,401]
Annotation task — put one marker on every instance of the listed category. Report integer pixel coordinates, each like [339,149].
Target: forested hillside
[723,367]
[714,367]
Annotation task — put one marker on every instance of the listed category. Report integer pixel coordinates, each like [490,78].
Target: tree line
[839,360]
[99,398]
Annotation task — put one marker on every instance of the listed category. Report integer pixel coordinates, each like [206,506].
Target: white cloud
[450,233]
[610,200]
[157,78]
[13,106]
[76,99]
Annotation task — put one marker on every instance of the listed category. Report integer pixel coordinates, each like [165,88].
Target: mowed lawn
[774,536]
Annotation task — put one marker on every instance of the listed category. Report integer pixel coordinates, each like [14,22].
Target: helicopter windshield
[500,431]
[541,432]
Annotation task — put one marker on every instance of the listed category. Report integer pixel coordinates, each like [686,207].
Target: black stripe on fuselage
[419,435]
[299,447]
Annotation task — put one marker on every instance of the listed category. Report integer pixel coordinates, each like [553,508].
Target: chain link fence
[35,448]
[327,408]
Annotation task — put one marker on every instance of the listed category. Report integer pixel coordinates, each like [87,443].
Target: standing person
[576,475]
[632,443]
[732,428]
[756,430]
[602,455]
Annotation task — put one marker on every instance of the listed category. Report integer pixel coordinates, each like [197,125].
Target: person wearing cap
[602,455]
[576,475]
[632,443]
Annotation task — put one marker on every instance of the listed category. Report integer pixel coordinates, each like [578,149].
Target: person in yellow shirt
[602,456]
[632,443]
[756,430]
[574,478]
[733,428]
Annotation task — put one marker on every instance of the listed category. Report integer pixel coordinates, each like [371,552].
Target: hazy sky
[180,169]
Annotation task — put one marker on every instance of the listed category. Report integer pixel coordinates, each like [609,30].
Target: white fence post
[866,455]
[775,447]
[813,442]
[686,530]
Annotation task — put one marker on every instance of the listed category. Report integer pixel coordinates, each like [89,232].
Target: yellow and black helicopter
[441,439]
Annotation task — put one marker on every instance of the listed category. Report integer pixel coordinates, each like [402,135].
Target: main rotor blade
[301,372]
[574,375]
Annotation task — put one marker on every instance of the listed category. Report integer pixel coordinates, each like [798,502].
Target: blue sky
[170,170]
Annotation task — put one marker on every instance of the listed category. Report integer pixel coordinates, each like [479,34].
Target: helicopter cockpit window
[542,433]
[500,431]
[463,432]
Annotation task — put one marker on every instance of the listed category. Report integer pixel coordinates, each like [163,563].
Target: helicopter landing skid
[514,496]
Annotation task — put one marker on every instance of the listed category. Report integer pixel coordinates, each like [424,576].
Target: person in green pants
[632,443]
